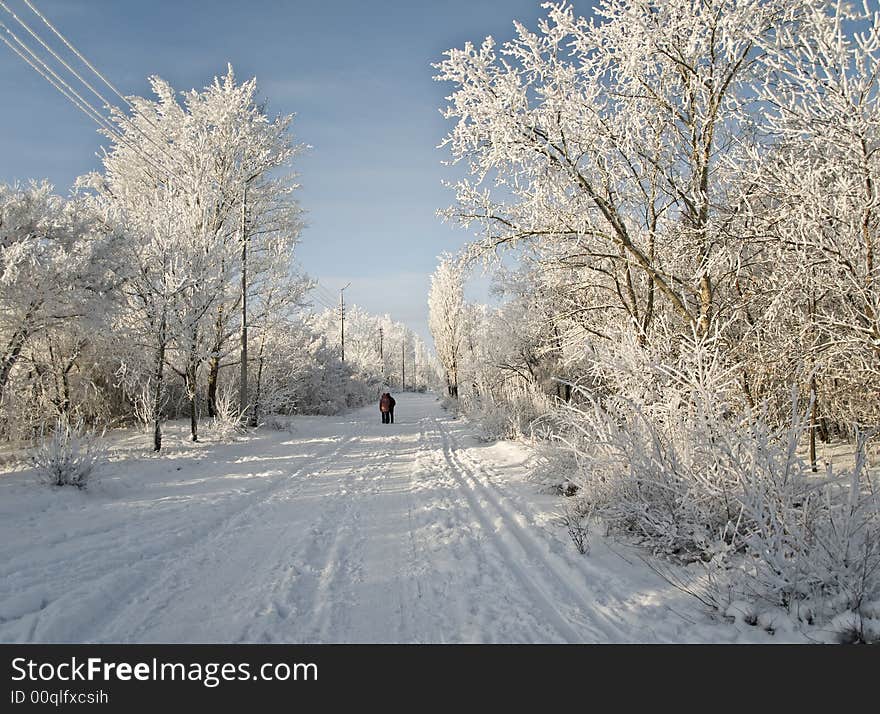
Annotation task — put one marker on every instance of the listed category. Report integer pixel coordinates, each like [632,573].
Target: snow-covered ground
[341,530]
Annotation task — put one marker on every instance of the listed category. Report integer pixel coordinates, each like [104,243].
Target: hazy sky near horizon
[358,76]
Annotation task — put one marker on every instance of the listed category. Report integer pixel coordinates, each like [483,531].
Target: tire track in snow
[486,597]
[416,547]
[580,575]
[285,599]
[521,547]
[346,563]
[331,601]
[149,603]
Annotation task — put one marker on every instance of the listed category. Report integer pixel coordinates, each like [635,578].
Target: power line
[327,299]
[106,81]
[320,293]
[68,91]
[326,291]
[325,295]
[325,305]
[44,70]
[54,54]
[78,54]
[75,97]
[54,79]
[60,85]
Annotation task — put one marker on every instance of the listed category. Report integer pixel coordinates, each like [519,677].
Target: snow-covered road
[343,530]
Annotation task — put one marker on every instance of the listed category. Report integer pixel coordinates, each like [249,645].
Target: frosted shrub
[68,456]
[651,454]
[510,414]
[491,419]
[448,403]
[143,405]
[228,420]
[813,542]
[576,519]
[554,469]
[671,458]
[278,422]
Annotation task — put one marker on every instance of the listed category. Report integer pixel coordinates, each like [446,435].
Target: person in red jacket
[386,407]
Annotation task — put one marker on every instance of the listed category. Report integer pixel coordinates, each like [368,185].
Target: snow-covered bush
[278,422]
[651,449]
[507,413]
[491,419]
[576,519]
[68,456]
[450,404]
[143,406]
[813,541]
[669,456]
[228,421]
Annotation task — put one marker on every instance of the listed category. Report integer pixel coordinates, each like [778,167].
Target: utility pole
[243,387]
[342,320]
[403,365]
[381,345]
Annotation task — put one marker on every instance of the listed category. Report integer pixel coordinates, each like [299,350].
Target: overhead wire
[38,64]
[54,54]
[327,296]
[100,76]
[323,296]
[78,53]
[31,59]
[44,70]
[58,80]
[322,293]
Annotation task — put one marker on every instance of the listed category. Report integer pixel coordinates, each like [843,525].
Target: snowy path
[345,530]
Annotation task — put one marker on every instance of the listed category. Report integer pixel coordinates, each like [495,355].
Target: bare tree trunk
[705,304]
[64,407]
[255,417]
[214,363]
[191,379]
[12,353]
[747,388]
[193,419]
[452,381]
[814,421]
[159,389]
[192,383]
[213,381]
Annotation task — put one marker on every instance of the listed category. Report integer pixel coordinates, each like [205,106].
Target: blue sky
[358,77]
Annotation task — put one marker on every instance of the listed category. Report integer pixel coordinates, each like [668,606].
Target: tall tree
[446,319]
[177,173]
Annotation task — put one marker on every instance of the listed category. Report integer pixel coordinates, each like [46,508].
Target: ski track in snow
[344,530]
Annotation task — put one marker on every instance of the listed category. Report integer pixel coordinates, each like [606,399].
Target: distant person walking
[386,407]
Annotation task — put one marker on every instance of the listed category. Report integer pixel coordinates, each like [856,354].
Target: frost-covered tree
[823,98]
[280,293]
[192,178]
[55,258]
[604,135]
[446,319]
[378,349]
[689,188]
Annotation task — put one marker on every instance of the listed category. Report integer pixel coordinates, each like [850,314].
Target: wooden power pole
[342,320]
[243,387]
